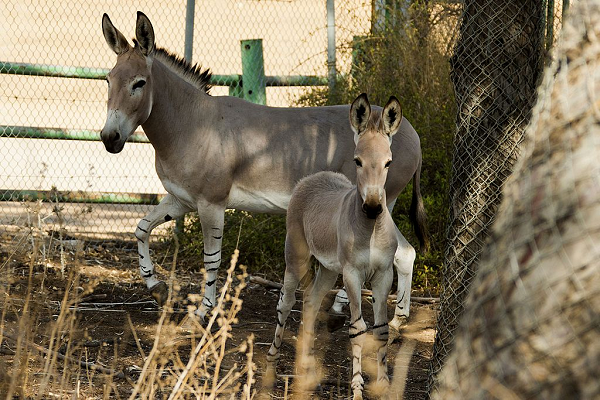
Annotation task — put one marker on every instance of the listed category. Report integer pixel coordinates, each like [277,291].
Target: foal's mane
[191,73]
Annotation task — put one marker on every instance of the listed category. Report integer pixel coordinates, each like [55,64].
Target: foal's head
[373,136]
[129,82]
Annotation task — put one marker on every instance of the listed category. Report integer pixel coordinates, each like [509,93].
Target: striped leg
[297,258]
[287,299]
[337,317]
[358,329]
[169,208]
[404,259]
[341,300]
[381,285]
[212,219]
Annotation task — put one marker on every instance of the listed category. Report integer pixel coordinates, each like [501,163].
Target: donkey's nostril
[372,211]
[117,136]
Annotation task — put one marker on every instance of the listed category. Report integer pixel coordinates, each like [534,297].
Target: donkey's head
[373,136]
[129,82]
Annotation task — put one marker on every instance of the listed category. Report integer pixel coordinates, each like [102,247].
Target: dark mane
[192,73]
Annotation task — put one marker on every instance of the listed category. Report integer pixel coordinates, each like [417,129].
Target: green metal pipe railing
[32,132]
[79,197]
[58,71]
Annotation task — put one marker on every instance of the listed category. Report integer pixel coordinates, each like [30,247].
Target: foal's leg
[358,329]
[381,284]
[169,208]
[212,219]
[297,260]
[322,283]
[403,262]
[404,259]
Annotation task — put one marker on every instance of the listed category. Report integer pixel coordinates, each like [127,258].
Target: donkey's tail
[417,215]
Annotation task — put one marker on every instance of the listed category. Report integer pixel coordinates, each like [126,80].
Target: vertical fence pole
[189,29]
[550,25]
[378,15]
[253,71]
[331,43]
[187,54]
[564,10]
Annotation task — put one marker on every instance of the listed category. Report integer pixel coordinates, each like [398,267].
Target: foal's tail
[417,212]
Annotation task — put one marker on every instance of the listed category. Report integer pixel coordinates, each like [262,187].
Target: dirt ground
[105,336]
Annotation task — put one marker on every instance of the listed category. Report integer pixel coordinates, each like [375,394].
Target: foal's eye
[387,164]
[139,84]
[358,162]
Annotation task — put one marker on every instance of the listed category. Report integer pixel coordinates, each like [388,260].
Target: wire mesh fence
[496,68]
[53,95]
[530,327]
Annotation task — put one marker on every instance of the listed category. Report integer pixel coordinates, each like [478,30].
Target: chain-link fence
[531,326]
[53,96]
[496,68]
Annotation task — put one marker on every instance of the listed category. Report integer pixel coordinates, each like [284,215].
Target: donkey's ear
[360,111]
[391,116]
[144,33]
[115,39]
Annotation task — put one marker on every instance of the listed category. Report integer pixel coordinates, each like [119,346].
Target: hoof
[160,292]
[380,388]
[335,321]
[270,377]
[398,322]
[357,395]
[396,326]
[191,323]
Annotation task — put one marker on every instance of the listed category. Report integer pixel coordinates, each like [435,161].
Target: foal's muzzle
[372,210]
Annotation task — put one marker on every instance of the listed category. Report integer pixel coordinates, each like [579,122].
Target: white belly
[257,201]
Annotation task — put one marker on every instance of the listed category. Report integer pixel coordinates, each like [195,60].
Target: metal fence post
[331,43]
[549,24]
[253,71]
[187,54]
[189,30]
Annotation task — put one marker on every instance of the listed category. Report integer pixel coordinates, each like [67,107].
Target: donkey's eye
[387,164]
[358,162]
[139,84]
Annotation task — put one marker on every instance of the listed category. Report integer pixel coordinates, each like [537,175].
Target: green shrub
[259,237]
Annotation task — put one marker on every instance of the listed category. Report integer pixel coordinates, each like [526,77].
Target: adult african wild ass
[214,153]
[349,230]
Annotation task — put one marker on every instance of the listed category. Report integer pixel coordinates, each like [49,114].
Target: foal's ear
[391,116]
[115,39]
[144,33]
[360,111]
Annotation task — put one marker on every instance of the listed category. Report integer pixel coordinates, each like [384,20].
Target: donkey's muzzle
[372,210]
[112,141]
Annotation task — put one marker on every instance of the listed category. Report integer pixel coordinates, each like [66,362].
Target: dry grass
[44,356]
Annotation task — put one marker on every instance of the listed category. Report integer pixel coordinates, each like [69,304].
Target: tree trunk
[495,70]
[531,327]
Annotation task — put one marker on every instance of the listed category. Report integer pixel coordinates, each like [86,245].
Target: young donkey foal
[349,230]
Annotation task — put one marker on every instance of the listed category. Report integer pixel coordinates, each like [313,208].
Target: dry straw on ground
[45,356]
